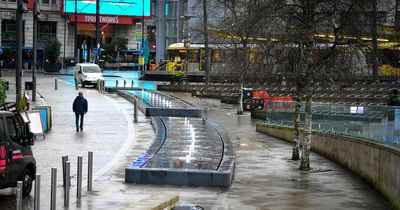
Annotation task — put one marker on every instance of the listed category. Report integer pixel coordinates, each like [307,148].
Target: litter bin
[257,103]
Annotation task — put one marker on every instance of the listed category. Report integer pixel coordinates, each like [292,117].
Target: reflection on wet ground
[191,143]
[112,76]
[156,99]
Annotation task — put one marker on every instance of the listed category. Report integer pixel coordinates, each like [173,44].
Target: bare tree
[244,23]
[206,48]
[311,57]
[374,33]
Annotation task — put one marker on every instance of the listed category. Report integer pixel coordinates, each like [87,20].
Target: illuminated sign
[103,19]
[109,7]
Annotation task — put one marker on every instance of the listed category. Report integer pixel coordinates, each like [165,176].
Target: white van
[87,74]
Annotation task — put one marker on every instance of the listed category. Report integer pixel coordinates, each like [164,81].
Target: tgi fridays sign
[103,19]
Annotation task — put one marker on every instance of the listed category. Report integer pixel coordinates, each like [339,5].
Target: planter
[52,67]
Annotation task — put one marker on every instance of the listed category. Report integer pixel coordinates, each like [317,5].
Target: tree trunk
[397,16]
[306,145]
[240,102]
[374,33]
[206,48]
[296,130]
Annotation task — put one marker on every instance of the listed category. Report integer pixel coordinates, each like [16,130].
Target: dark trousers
[77,115]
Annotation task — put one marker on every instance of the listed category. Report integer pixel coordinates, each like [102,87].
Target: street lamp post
[76,33]
[186,40]
[36,18]
[21,9]
[142,44]
[97,31]
[186,44]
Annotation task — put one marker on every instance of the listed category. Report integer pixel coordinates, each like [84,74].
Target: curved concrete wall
[377,163]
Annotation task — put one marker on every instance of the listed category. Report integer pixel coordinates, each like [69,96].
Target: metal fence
[376,123]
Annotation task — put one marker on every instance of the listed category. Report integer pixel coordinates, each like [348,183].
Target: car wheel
[83,84]
[27,182]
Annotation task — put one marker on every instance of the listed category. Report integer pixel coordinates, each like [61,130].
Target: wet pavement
[113,78]
[190,143]
[265,177]
[108,132]
[157,99]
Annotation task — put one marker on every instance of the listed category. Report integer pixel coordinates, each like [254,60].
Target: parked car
[16,158]
[87,74]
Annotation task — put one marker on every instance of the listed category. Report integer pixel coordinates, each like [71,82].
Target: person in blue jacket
[80,107]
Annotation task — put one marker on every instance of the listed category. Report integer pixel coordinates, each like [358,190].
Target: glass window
[46,1]
[91,69]
[216,56]
[2,133]
[8,30]
[47,30]
[171,9]
[193,56]
[12,130]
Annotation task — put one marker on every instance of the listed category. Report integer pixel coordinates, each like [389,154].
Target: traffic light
[22,6]
[36,12]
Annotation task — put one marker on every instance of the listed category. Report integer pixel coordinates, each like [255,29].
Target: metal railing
[376,123]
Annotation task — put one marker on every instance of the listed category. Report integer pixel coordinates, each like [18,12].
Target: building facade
[57,21]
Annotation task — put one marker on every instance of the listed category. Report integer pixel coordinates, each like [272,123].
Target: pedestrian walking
[80,107]
[394,100]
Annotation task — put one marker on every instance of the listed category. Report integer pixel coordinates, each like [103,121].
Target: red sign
[103,19]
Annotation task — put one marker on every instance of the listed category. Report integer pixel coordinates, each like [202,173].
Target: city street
[265,177]
[322,74]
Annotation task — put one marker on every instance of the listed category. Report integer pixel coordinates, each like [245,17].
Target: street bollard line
[79,179]
[132,83]
[116,83]
[76,83]
[64,159]
[90,171]
[37,192]
[53,188]
[19,195]
[135,111]
[124,83]
[67,184]
[55,84]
